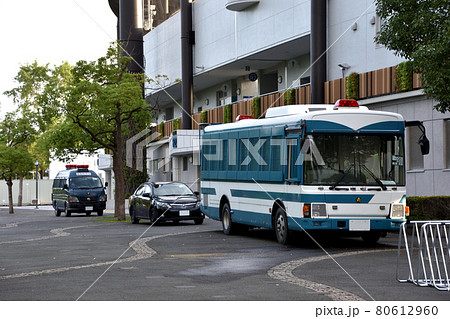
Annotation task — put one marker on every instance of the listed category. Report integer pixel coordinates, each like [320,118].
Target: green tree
[102,103]
[16,133]
[419,30]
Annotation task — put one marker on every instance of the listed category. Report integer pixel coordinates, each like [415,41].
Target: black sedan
[172,201]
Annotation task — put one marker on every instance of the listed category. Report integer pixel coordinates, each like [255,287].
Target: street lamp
[343,67]
[37,198]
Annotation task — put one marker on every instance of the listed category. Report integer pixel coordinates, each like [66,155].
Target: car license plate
[359,225]
[184,213]
[88,208]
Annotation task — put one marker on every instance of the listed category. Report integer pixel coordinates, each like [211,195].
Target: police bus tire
[281,226]
[371,237]
[228,226]
[100,213]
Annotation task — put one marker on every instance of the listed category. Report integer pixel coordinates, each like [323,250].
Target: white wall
[222,36]
[434,178]
[28,192]
[356,48]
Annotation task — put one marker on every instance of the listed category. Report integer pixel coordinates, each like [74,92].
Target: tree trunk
[119,196]
[10,195]
[19,199]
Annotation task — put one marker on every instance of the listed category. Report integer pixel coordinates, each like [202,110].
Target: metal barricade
[427,251]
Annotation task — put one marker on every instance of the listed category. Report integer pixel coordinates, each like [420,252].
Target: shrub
[256,107]
[176,124]
[204,117]
[352,86]
[161,129]
[227,114]
[404,76]
[289,97]
[429,207]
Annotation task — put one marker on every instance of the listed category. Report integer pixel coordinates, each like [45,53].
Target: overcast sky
[51,31]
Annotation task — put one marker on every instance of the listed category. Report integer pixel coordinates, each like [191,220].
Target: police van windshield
[85,182]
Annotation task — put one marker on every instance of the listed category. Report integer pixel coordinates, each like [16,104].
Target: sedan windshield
[85,182]
[172,189]
[371,160]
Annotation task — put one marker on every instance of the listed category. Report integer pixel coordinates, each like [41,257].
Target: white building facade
[265,48]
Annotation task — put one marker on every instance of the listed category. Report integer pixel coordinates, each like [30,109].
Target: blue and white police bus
[308,167]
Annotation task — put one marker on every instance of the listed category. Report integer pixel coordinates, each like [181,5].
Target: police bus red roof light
[345,103]
[82,166]
[244,117]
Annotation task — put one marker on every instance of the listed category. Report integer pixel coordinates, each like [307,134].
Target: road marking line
[283,272]
[57,232]
[139,246]
[10,225]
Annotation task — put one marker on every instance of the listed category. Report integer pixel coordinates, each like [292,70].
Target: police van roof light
[71,166]
[82,166]
[345,103]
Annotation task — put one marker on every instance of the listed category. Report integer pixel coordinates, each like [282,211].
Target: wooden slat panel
[417,83]
[195,121]
[363,85]
[326,88]
[382,82]
[336,91]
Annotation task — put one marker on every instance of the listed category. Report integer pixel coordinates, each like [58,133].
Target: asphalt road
[43,257]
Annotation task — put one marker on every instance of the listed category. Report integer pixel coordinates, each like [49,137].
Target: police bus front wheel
[281,227]
[227,225]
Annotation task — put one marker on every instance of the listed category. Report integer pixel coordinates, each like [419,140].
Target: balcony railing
[371,84]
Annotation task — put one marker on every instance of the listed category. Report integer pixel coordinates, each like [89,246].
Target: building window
[447,142]
[221,98]
[305,81]
[415,155]
[155,166]
[169,113]
[185,163]
[378,24]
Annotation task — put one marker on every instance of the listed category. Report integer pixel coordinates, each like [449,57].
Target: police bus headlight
[397,211]
[102,198]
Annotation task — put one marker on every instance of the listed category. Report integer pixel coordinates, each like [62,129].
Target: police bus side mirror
[423,141]
[106,184]
[424,144]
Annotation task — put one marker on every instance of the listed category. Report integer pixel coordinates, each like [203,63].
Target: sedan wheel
[198,221]
[134,219]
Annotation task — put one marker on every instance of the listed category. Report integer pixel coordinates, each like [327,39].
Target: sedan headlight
[73,199]
[162,205]
[197,205]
